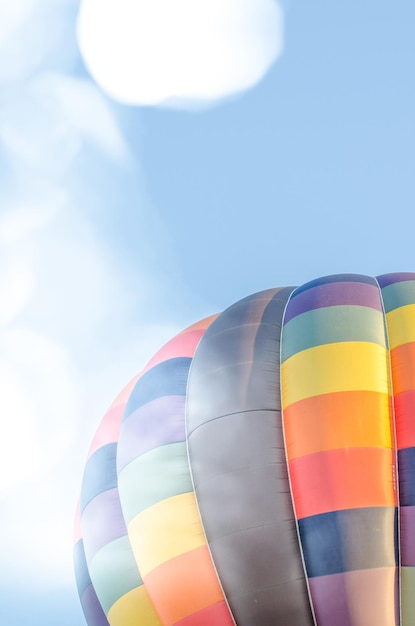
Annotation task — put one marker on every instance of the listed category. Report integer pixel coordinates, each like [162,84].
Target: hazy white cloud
[179,53]
[12,15]
[30,30]
[68,345]
[45,122]
[72,328]
[39,525]
[40,405]
[86,111]
[40,204]
[17,282]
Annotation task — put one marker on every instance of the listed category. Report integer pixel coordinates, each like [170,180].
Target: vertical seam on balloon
[192,479]
[92,585]
[395,443]
[118,471]
[288,470]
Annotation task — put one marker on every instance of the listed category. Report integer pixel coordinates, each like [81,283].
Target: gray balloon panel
[237,457]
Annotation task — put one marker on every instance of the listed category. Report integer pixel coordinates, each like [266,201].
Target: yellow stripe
[165,530]
[133,609]
[401,325]
[347,366]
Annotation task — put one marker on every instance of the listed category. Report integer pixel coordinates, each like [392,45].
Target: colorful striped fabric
[261,468]
[139,533]
[159,504]
[338,422]
[112,583]
[398,292]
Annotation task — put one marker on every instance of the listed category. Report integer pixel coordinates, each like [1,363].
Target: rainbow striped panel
[398,291]
[105,565]
[288,428]
[338,427]
[91,606]
[157,497]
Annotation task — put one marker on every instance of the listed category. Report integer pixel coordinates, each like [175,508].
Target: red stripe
[403,365]
[405,423]
[217,615]
[334,480]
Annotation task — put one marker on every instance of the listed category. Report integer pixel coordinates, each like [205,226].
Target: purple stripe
[397,277]
[333,294]
[339,598]
[154,424]
[92,609]
[102,522]
[407,537]
[329,600]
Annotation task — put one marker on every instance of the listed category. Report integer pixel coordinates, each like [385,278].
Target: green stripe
[154,476]
[408,596]
[332,324]
[398,294]
[114,572]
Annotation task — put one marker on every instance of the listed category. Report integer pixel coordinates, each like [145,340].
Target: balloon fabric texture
[260,470]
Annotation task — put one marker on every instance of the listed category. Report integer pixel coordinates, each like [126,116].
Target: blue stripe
[100,473]
[397,277]
[336,278]
[352,539]
[92,608]
[83,579]
[406,465]
[398,294]
[168,378]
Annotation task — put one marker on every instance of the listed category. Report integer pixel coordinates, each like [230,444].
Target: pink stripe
[355,598]
[108,430]
[183,345]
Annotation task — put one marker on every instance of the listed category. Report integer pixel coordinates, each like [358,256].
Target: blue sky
[122,222]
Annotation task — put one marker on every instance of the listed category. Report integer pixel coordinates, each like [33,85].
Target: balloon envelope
[261,468]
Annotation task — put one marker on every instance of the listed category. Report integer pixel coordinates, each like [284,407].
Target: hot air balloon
[260,471]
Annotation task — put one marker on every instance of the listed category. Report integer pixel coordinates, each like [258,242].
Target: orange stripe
[405,423]
[336,420]
[202,324]
[183,585]
[342,479]
[403,367]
